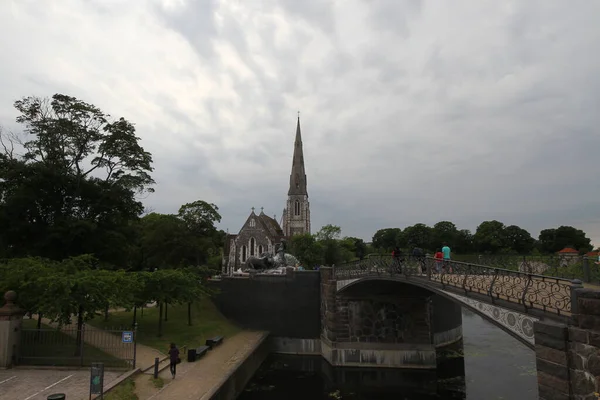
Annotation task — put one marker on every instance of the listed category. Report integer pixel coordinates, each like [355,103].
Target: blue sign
[127,337]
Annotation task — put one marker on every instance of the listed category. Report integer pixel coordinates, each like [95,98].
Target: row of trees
[490,237]
[73,241]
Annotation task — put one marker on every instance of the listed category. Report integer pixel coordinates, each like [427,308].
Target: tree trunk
[160,321]
[106,313]
[134,316]
[189,314]
[166,318]
[39,322]
[143,311]
[79,338]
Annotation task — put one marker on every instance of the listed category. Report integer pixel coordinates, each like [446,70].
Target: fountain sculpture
[271,263]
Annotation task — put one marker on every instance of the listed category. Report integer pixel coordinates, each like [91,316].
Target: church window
[243,253]
[297,208]
[252,223]
[252,246]
[260,249]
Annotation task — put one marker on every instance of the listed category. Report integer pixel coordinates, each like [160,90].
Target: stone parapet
[568,357]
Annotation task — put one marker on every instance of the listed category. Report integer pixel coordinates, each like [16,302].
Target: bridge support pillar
[328,304]
[568,357]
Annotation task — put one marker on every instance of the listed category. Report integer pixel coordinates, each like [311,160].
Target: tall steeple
[296,215]
[298,175]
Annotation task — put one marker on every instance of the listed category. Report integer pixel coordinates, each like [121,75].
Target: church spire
[298,175]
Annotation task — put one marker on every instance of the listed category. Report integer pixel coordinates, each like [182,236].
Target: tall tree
[306,248]
[419,235]
[388,238]
[74,188]
[490,237]
[444,231]
[199,218]
[518,239]
[463,242]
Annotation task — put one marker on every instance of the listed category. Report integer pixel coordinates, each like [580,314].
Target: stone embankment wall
[285,305]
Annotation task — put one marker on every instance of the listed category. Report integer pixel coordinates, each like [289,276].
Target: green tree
[490,237]
[463,243]
[199,218]
[306,248]
[444,231]
[553,240]
[518,239]
[388,238]
[73,189]
[419,235]
[328,238]
[163,241]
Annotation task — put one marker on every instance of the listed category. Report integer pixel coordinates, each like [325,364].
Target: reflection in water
[496,366]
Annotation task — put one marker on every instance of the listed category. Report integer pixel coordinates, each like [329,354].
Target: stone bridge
[385,312]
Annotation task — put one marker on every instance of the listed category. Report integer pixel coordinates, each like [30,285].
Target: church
[260,233]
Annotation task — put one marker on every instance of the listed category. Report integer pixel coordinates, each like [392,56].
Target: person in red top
[438,260]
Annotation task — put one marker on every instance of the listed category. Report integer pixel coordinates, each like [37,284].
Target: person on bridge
[446,253]
[439,256]
[419,255]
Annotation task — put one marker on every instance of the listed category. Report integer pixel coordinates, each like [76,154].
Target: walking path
[193,380]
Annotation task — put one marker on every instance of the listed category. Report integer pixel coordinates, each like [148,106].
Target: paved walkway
[34,384]
[193,380]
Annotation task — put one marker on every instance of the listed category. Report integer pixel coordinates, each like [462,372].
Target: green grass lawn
[51,347]
[207,322]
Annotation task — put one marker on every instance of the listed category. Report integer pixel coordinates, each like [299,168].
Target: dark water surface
[494,366]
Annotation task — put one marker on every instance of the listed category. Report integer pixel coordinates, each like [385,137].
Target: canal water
[492,365]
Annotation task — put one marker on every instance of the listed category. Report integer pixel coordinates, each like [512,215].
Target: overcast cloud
[410,111]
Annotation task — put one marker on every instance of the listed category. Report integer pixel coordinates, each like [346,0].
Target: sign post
[97,380]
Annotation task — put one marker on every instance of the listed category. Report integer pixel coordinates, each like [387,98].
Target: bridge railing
[531,291]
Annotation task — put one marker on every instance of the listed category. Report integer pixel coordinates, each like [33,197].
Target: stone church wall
[261,238]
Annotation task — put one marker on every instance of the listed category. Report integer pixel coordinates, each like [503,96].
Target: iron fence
[526,290]
[69,346]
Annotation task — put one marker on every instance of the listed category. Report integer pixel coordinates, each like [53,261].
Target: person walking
[446,253]
[173,358]
[439,256]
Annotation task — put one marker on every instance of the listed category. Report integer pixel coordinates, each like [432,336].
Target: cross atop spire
[261,209]
[298,114]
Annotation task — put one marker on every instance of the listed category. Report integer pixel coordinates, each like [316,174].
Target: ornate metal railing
[530,291]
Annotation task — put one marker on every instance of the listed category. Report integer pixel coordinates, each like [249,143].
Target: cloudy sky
[411,111]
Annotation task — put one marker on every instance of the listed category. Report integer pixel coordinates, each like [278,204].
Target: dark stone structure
[285,305]
[385,324]
[568,357]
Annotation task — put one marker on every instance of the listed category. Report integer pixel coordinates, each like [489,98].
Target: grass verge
[125,391]
[207,322]
[158,382]
[51,347]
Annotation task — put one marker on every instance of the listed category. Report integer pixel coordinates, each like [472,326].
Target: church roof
[298,176]
[270,224]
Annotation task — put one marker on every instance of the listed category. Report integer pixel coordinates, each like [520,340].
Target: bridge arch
[518,325]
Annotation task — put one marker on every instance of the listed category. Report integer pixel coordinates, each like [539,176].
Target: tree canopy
[490,237]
